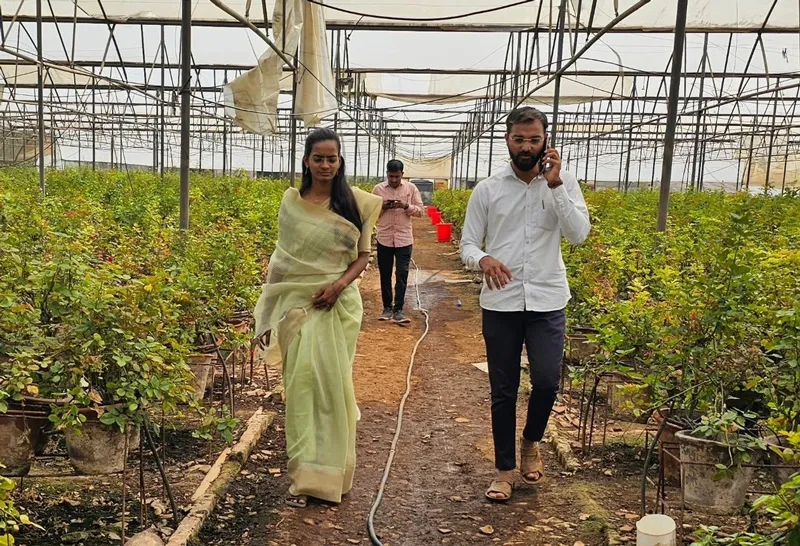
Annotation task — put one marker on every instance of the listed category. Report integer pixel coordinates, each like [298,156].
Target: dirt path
[444,459]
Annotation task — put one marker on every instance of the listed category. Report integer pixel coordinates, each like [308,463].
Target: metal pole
[672,113]
[94,131]
[491,150]
[200,140]
[562,19]
[113,148]
[163,96]
[230,150]
[121,144]
[469,159]
[738,173]
[477,156]
[357,119]
[785,161]
[451,182]
[53,134]
[293,152]
[588,140]
[378,150]
[155,144]
[630,141]
[750,160]
[186,76]
[461,166]
[772,139]
[225,137]
[40,94]
[369,145]
[700,113]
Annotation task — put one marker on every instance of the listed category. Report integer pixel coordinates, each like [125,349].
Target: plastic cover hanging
[252,98]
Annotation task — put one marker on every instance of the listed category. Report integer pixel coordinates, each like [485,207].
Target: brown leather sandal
[504,485]
[530,462]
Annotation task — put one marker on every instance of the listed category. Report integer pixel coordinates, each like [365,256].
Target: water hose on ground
[371,518]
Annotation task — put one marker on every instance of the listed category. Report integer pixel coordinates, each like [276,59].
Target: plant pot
[780,470]
[579,348]
[96,449]
[18,436]
[671,465]
[202,367]
[241,327]
[701,491]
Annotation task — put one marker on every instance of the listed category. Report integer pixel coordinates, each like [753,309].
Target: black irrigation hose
[371,518]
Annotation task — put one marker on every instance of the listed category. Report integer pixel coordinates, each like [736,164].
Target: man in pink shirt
[401,201]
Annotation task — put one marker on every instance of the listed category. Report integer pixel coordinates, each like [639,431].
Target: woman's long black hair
[343,202]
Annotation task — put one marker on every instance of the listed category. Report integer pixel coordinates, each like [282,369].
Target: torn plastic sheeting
[435,168]
[315,84]
[780,164]
[252,98]
[464,88]
[15,74]
[19,146]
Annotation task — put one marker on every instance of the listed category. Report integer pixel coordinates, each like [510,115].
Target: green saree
[315,248]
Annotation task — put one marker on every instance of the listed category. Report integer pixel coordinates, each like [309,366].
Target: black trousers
[387,257]
[543,336]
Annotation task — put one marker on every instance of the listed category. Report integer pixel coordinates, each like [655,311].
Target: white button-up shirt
[521,225]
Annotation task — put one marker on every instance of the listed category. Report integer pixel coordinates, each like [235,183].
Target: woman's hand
[261,342]
[327,296]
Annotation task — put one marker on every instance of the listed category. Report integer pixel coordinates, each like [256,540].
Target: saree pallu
[316,348]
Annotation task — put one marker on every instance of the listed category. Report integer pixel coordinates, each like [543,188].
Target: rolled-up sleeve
[573,215]
[475,228]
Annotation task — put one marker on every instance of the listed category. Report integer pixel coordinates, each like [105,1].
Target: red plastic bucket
[444,232]
[436,217]
[431,211]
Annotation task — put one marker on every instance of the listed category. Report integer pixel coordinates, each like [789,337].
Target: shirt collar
[513,175]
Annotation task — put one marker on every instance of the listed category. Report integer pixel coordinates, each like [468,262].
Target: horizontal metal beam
[627,73]
[388,26]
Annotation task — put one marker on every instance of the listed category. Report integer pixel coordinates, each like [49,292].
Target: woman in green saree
[310,311]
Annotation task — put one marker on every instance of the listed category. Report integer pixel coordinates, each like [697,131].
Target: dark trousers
[543,336]
[387,257]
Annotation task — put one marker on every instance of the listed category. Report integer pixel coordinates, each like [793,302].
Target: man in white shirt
[512,232]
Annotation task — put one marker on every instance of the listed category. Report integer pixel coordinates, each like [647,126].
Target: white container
[656,530]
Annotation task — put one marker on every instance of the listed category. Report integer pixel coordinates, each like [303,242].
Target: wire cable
[371,518]
[421,19]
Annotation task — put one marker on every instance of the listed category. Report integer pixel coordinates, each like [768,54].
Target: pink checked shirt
[394,226]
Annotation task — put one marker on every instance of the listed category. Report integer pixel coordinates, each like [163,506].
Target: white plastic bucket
[656,530]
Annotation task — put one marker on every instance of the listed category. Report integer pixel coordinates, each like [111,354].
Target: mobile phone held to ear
[542,166]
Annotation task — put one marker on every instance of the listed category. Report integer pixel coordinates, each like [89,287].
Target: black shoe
[400,318]
[387,315]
